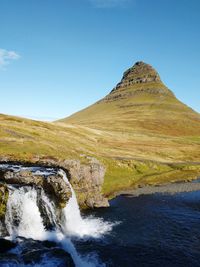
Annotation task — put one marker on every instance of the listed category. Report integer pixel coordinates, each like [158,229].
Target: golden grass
[127,154]
[125,134]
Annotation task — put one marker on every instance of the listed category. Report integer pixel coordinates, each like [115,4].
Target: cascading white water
[23,218]
[74,225]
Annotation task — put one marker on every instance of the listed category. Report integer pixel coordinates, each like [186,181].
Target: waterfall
[24,217]
[73,224]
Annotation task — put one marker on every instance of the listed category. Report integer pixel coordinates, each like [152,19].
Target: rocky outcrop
[52,184]
[86,179]
[139,79]
[60,188]
[139,73]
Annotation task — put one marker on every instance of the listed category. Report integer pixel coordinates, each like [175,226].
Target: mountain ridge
[140,132]
[140,97]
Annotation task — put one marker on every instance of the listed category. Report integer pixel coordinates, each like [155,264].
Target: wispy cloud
[109,3]
[6,57]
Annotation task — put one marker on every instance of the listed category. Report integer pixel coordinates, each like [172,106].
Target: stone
[140,73]
[6,245]
[60,188]
[86,179]
[52,184]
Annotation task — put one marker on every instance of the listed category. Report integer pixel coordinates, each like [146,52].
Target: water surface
[155,230]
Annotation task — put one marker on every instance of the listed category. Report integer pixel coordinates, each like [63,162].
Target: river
[145,228]
[154,230]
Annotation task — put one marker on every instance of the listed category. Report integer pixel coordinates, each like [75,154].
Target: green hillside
[140,131]
[140,103]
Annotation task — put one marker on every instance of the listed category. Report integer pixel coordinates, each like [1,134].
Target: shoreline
[171,188]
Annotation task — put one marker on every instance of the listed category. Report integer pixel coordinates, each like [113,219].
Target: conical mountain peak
[140,103]
[139,79]
[141,73]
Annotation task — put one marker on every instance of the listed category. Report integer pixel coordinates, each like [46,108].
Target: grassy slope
[149,113]
[140,135]
[133,156]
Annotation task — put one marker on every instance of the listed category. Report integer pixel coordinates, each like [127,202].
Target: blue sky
[59,56]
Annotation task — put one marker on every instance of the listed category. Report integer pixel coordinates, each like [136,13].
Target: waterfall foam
[73,224]
[24,218]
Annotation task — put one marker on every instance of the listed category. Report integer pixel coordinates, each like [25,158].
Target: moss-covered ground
[132,157]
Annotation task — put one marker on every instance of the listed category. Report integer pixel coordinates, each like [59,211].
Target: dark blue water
[155,230]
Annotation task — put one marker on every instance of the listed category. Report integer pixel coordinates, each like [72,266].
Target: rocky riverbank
[172,188]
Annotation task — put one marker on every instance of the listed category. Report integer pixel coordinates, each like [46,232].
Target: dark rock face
[22,177]
[139,73]
[141,78]
[53,185]
[60,189]
[86,180]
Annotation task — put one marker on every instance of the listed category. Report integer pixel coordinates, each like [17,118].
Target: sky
[59,56]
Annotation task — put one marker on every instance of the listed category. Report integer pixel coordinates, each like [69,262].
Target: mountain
[140,103]
[140,132]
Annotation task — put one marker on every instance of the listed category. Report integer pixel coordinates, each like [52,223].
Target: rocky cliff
[86,179]
[140,74]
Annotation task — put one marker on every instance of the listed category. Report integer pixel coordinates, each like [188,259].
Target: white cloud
[109,3]
[7,56]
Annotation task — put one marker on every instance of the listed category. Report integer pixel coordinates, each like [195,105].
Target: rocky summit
[140,74]
[140,102]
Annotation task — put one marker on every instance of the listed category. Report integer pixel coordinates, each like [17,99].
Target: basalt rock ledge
[86,180]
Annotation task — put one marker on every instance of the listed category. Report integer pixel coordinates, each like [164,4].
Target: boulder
[53,185]
[60,188]
[87,180]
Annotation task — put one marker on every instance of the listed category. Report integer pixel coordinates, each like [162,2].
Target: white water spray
[74,224]
[23,218]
